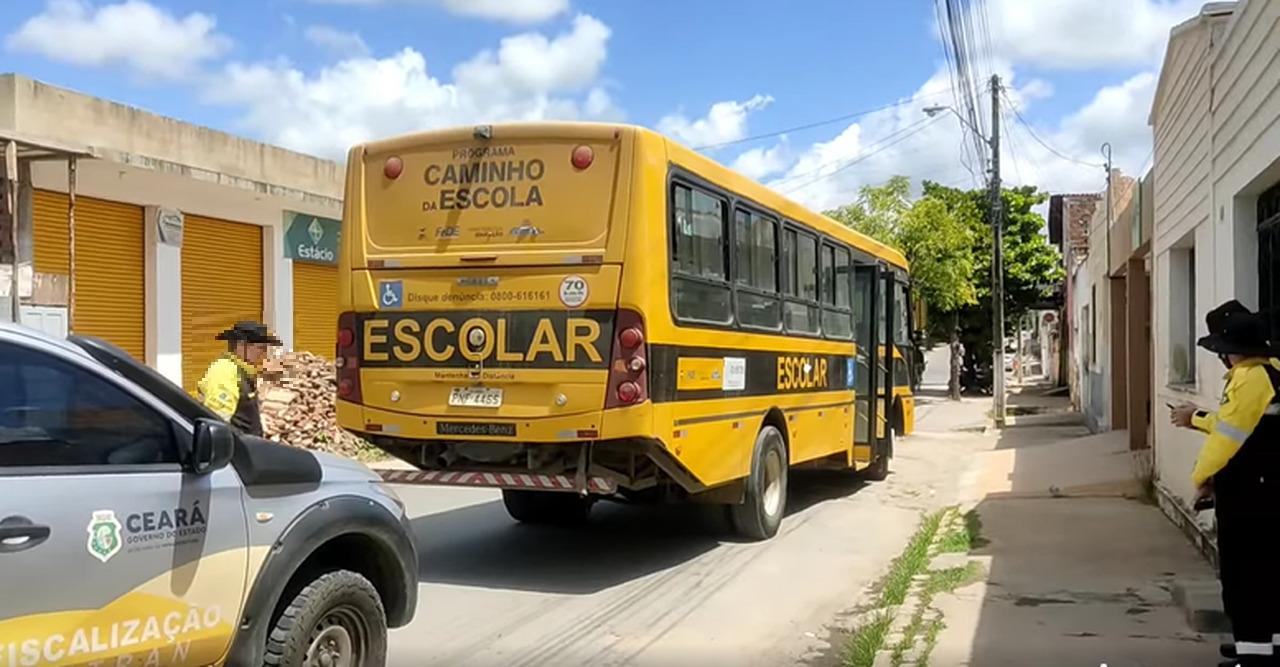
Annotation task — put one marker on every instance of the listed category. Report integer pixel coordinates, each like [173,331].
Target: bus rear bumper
[473,426]
[594,485]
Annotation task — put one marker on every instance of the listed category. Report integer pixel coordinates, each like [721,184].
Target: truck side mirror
[211,446]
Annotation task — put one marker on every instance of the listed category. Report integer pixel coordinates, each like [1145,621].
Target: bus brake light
[348,369]
[629,365]
[631,338]
[393,168]
[582,157]
[628,392]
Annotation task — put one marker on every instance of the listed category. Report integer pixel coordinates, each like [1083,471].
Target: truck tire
[336,619]
[765,501]
[560,508]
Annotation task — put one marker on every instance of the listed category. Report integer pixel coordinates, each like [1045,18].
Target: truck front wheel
[546,507]
[337,619]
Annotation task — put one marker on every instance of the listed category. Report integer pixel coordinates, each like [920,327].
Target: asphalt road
[655,586]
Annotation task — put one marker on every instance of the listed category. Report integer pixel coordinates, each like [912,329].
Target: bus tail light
[629,365]
[582,157]
[393,167]
[347,359]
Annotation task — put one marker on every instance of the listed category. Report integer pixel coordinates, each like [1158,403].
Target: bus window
[699,250]
[836,317]
[756,270]
[802,313]
[901,323]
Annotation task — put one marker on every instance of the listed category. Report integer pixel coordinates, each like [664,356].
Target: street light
[935,110]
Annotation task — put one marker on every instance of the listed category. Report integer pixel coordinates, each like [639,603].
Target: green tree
[1031,265]
[936,242]
[878,210]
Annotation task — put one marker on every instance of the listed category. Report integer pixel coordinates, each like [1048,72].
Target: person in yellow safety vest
[1238,470]
[229,386]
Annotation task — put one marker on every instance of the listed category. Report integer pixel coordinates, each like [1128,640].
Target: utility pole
[997,260]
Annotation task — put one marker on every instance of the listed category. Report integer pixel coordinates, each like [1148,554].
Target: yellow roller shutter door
[315,308]
[110,282]
[221,284]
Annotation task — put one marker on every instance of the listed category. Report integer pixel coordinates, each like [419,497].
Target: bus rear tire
[878,471]
[558,508]
[765,501]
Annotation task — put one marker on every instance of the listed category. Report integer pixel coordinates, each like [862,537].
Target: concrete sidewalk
[1079,568]
[1074,582]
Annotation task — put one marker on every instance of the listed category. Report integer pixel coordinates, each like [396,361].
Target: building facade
[162,234]
[1216,121]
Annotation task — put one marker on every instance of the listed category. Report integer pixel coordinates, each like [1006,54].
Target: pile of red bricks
[299,394]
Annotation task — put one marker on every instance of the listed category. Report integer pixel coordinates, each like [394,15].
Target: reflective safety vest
[1242,451]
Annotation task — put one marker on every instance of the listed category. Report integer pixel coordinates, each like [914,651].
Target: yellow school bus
[574,311]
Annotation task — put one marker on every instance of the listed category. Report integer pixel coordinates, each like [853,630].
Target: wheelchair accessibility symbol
[391,294]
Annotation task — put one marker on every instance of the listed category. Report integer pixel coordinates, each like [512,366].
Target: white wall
[1217,125]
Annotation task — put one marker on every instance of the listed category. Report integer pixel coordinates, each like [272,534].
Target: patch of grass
[973,526]
[955,542]
[866,640]
[910,563]
[367,453]
[965,538]
[931,633]
[908,637]
[946,581]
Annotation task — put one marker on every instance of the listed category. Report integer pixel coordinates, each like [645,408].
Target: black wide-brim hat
[1240,332]
[249,332]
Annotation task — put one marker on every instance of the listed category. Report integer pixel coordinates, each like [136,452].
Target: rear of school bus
[485,333]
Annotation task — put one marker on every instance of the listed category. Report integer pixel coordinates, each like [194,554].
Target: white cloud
[529,63]
[529,77]
[886,143]
[725,121]
[1116,114]
[510,11]
[514,11]
[1082,34]
[147,39]
[760,162]
[339,42]
[898,140]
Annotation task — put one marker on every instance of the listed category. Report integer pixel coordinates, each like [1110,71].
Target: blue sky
[317,75]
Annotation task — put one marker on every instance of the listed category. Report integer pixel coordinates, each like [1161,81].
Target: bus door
[866,278]
[913,349]
[886,312]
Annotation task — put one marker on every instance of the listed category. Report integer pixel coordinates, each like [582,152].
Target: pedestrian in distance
[1237,472]
[229,386]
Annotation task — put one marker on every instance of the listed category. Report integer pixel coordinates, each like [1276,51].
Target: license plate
[470,397]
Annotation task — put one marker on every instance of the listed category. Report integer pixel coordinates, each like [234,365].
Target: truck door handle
[18,533]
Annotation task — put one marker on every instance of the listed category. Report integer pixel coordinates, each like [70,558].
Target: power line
[919,127]
[1042,142]
[824,165]
[1013,149]
[820,123]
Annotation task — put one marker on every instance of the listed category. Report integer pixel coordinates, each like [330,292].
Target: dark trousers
[1248,514]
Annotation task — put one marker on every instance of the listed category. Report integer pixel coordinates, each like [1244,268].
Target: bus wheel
[546,507]
[879,469]
[765,501]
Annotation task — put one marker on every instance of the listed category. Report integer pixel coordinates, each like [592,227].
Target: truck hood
[342,469]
